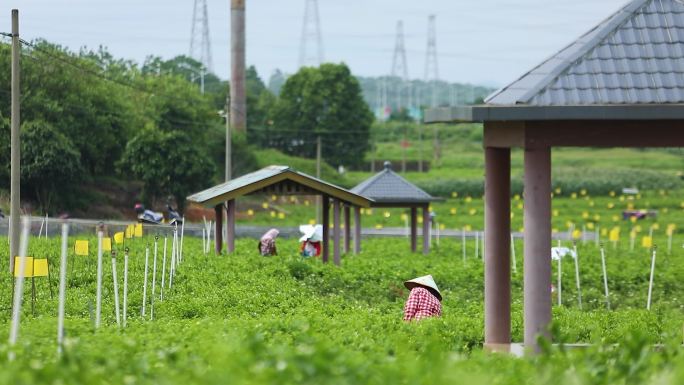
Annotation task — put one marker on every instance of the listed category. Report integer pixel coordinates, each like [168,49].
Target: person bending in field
[267,243]
[424,300]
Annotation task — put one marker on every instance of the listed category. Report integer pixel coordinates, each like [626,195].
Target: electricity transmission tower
[200,46]
[400,69]
[311,35]
[431,67]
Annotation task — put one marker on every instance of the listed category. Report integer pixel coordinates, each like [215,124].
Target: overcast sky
[478,41]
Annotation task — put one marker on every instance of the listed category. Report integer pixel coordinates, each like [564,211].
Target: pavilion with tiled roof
[389,189]
[619,85]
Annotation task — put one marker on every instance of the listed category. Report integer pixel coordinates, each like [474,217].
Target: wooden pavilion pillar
[347,229]
[357,229]
[325,253]
[230,224]
[537,224]
[414,228]
[426,229]
[497,274]
[218,228]
[336,231]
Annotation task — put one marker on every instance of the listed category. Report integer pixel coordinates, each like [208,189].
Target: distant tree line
[88,116]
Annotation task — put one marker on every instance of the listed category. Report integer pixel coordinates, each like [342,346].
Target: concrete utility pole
[238,107]
[229,144]
[15,193]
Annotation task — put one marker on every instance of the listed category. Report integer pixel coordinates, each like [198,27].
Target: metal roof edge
[579,112]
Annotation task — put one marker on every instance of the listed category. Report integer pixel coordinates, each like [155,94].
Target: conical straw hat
[425,281]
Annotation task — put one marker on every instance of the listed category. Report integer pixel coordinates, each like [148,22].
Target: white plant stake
[154,276]
[42,224]
[597,236]
[463,244]
[181,237]
[125,286]
[116,289]
[605,276]
[19,287]
[62,288]
[98,295]
[147,263]
[163,272]
[204,240]
[173,260]
[477,244]
[577,276]
[650,282]
[560,281]
[46,226]
[515,263]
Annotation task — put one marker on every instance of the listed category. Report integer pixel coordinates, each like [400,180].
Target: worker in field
[267,243]
[424,300]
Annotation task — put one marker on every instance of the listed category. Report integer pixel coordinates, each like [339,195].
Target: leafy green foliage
[323,101]
[50,163]
[169,163]
[290,320]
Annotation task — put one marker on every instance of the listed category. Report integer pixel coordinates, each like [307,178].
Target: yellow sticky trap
[646,241]
[577,234]
[107,244]
[129,231]
[28,266]
[81,248]
[138,230]
[40,267]
[119,237]
[614,235]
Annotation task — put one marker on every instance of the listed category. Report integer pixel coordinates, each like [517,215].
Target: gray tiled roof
[636,56]
[389,187]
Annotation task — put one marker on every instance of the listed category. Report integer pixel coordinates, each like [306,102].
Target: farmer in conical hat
[424,299]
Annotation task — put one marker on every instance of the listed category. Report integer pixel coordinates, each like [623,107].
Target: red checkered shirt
[421,304]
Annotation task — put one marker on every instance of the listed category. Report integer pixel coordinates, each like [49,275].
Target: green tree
[323,101]
[50,163]
[168,163]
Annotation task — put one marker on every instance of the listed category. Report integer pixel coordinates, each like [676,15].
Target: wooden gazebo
[281,180]
[389,189]
[619,85]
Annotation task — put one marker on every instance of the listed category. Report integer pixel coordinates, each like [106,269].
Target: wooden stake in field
[577,275]
[605,276]
[154,276]
[19,287]
[115,283]
[515,263]
[62,288]
[98,295]
[650,281]
[125,286]
[163,272]
[147,263]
